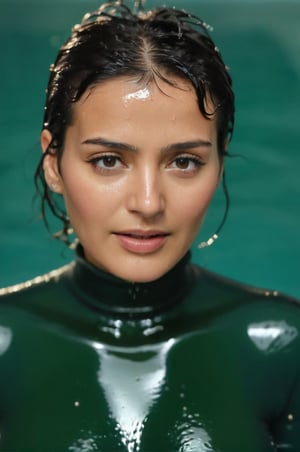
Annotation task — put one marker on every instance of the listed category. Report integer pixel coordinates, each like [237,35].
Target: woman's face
[139,168]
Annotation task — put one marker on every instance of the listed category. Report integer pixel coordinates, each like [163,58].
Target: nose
[146,195]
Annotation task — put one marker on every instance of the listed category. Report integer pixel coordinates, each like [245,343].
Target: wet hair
[161,44]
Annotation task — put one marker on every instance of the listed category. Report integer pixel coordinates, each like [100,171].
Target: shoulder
[226,291]
[21,289]
[253,321]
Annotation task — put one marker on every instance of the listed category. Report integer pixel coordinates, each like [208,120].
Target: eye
[106,162]
[187,163]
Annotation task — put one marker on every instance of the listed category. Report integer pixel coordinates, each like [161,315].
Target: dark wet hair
[115,41]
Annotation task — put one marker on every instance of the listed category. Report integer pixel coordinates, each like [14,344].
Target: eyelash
[195,160]
[101,158]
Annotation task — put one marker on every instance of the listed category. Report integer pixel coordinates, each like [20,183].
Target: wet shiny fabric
[190,363]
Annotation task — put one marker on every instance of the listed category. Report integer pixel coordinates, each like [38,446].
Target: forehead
[131,88]
[125,89]
[128,103]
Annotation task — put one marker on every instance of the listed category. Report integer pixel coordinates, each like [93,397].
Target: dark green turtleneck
[188,363]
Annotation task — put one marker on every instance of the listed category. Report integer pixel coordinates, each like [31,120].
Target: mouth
[143,234]
[142,242]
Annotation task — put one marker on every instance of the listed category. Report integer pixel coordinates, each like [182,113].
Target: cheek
[194,204]
[80,197]
[193,212]
[87,201]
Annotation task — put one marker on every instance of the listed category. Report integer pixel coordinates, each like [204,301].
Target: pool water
[260,42]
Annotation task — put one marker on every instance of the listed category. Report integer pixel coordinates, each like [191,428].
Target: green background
[260,42]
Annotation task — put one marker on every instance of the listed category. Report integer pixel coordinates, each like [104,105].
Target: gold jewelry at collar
[54,274]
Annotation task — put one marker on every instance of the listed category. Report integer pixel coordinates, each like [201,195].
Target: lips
[142,242]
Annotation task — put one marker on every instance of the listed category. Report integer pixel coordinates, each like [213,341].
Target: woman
[132,347]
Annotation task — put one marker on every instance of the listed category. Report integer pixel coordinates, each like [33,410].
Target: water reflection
[118,328]
[132,381]
[5,339]
[271,336]
[84,445]
[193,436]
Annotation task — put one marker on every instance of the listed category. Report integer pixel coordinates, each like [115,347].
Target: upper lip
[143,233]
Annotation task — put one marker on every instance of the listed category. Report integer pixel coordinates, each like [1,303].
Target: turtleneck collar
[111,295]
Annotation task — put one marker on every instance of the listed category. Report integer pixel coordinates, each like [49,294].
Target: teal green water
[260,42]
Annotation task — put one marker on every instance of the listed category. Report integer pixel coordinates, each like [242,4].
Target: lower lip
[142,246]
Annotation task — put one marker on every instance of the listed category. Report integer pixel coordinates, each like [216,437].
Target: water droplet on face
[140,94]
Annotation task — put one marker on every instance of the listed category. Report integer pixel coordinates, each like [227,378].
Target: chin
[141,277]
[143,273]
[137,268]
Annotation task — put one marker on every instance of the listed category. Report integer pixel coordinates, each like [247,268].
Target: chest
[185,395]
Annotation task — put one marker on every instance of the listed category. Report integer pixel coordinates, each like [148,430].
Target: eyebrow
[110,144]
[182,146]
[185,145]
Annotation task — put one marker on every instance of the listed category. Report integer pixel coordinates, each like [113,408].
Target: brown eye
[182,163]
[186,163]
[108,161]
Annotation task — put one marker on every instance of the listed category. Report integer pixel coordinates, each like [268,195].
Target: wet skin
[190,362]
[139,167]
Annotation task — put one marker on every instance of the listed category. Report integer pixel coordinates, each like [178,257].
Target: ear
[50,164]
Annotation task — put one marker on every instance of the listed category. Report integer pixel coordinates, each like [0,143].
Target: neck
[104,292]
